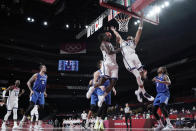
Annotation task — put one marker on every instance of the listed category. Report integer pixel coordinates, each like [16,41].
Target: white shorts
[109,70]
[12,104]
[34,112]
[132,62]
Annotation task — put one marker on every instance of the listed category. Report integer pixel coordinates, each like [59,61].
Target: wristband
[140,27]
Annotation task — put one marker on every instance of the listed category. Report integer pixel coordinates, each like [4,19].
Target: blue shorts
[108,99]
[161,98]
[94,99]
[38,98]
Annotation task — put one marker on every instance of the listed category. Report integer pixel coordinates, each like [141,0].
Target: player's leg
[10,106]
[33,101]
[139,77]
[103,114]
[156,105]
[164,98]
[15,116]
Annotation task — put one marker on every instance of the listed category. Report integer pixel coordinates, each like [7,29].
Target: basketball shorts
[38,98]
[161,98]
[132,62]
[12,104]
[109,70]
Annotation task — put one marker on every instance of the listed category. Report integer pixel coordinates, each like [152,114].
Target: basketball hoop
[123,22]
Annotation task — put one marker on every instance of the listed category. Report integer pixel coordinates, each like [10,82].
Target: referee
[127,114]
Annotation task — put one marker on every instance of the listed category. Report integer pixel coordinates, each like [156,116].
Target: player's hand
[23,91]
[31,93]
[112,28]
[154,79]
[45,94]
[114,91]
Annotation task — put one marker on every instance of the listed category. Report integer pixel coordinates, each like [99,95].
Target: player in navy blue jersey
[37,94]
[162,82]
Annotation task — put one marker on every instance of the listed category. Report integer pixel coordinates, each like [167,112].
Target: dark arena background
[63,36]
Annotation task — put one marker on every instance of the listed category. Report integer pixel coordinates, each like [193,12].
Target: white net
[123,22]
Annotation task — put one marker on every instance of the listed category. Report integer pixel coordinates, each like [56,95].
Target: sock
[168,121]
[4,122]
[160,123]
[100,121]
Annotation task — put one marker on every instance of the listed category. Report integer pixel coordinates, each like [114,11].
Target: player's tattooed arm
[33,78]
[119,39]
[139,31]
[108,50]
[45,94]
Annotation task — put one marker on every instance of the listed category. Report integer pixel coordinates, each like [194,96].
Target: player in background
[37,94]
[34,112]
[131,60]
[162,82]
[109,66]
[12,103]
[84,117]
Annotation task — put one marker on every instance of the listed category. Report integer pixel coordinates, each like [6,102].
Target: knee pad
[15,114]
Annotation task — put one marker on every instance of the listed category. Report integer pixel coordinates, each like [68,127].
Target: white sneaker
[15,127]
[148,97]
[159,128]
[3,127]
[101,126]
[96,125]
[168,127]
[101,100]
[37,127]
[90,92]
[20,125]
[137,93]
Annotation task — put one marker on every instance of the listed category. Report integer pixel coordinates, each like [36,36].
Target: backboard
[133,8]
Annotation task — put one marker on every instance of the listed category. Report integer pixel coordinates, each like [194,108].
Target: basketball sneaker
[139,98]
[168,127]
[159,128]
[90,92]
[4,127]
[148,97]
[101,125]
[96,127]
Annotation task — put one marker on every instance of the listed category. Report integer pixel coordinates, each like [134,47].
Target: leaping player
[162,82]
[109,66]
[37,94]
[12,103]
[131,60]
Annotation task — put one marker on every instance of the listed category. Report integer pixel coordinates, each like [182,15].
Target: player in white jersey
[109,66]
[34,112]
[12,103]
[131,60]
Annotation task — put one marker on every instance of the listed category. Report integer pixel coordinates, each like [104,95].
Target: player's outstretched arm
[114,91]
[166,80]
[139,31]
[119,39]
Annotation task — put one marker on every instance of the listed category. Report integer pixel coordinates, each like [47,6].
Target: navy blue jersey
[40,83]
[160,87]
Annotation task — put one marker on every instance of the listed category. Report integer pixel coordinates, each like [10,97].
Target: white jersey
[128,48]
[13,94]
[109,58]
[84,116]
